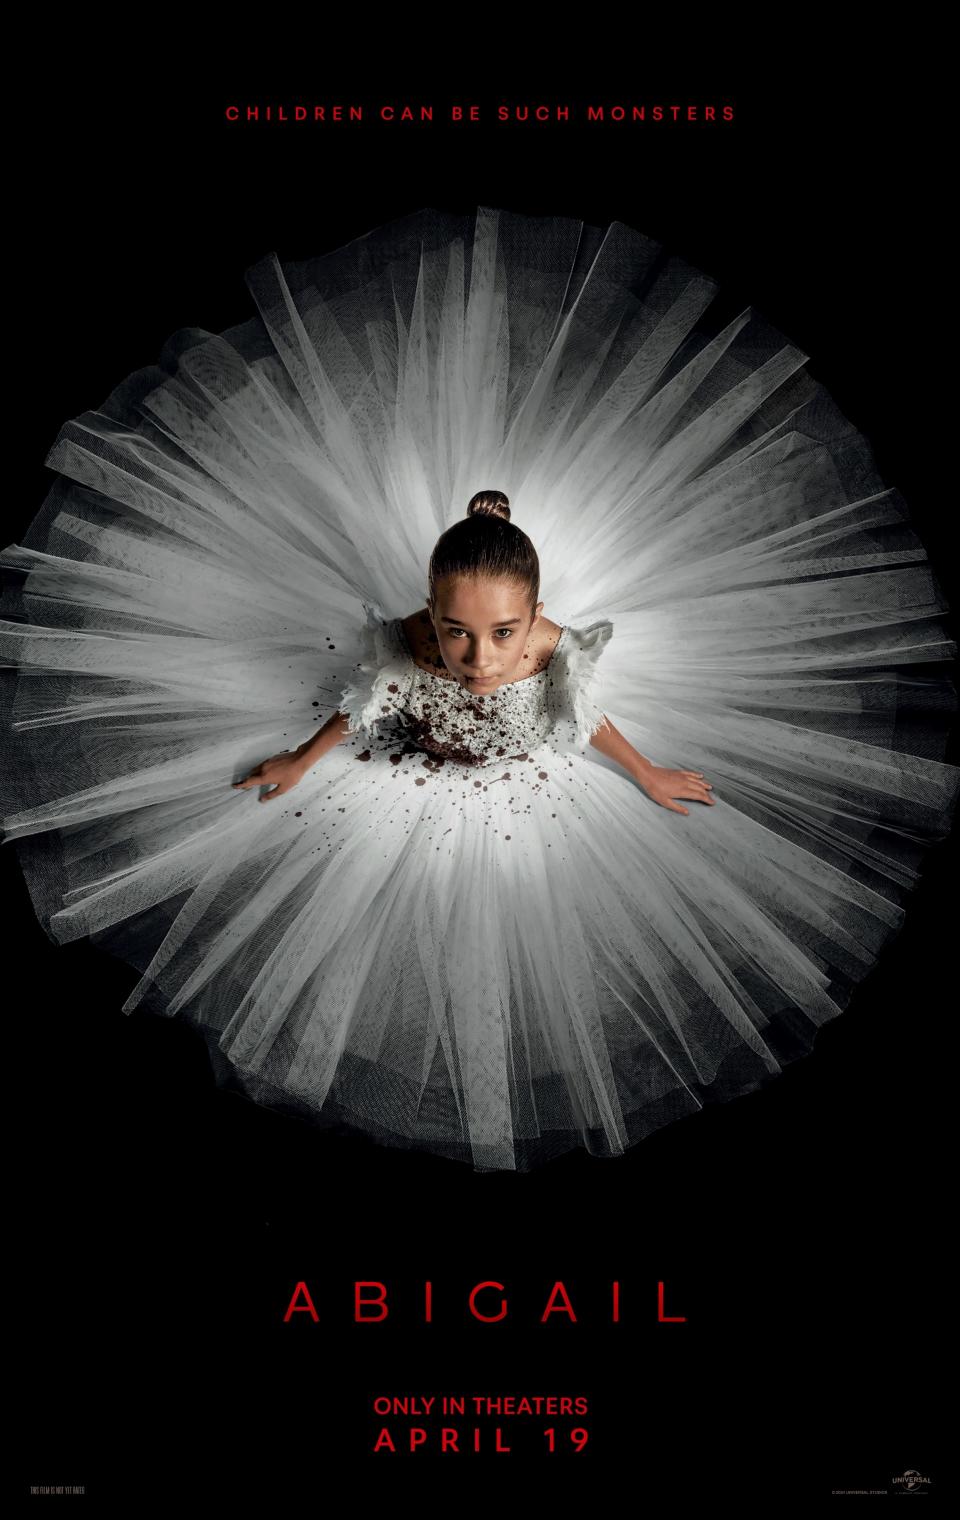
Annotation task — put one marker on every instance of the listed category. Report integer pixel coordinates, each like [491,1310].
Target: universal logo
[911,1482]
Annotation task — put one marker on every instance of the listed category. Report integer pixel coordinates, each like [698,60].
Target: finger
[676,808]
[269,796]
[249,779]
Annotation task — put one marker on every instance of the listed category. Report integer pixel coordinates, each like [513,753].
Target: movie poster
[214,1297]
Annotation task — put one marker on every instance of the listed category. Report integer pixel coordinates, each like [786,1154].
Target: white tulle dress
[466,931]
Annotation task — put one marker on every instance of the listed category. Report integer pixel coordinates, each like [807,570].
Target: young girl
[483,570]
[481,915]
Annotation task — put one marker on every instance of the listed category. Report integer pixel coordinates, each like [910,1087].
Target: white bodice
[438,715]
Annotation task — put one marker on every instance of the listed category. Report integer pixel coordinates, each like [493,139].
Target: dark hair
[486,545]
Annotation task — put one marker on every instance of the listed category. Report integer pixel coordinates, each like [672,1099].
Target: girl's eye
[508,631]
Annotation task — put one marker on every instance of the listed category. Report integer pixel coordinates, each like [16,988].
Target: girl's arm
[281,772]
[324,739]
[610,741]
[658,781]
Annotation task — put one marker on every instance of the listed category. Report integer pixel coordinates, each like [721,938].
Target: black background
[159,1225]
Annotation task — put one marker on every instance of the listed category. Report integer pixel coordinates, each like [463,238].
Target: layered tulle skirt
[493,970]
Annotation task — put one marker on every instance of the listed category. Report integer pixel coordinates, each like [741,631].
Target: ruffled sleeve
[383,678]
[576,689]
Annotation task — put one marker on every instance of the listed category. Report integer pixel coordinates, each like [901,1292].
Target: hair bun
[489,504]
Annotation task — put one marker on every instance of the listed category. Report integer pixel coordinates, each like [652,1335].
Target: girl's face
[483,628]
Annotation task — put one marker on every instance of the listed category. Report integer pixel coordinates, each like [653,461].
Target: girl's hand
[281,772]
[663,785]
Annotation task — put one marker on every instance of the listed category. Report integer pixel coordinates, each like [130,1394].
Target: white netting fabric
[189,600]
